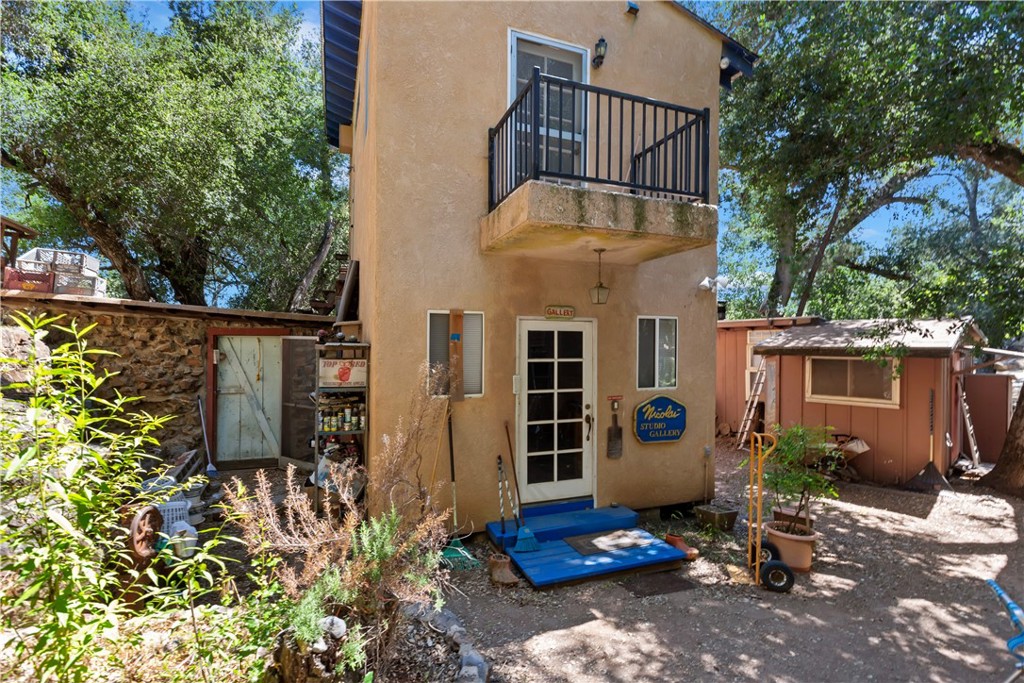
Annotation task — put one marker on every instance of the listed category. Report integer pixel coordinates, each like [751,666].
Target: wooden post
[455,390]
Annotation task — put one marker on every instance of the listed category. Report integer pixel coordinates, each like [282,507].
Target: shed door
[248,399]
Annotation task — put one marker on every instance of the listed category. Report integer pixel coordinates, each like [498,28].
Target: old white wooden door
[248,398]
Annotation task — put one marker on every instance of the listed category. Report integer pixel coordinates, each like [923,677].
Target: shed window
[472,348]
[853,381]
[656,353]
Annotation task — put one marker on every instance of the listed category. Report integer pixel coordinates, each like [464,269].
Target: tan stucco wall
[438,79]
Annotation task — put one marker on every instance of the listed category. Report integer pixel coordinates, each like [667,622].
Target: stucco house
[539,179]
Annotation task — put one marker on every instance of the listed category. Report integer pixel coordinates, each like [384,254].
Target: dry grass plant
[387,560]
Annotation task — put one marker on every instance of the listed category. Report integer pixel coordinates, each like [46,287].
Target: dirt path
[897,594]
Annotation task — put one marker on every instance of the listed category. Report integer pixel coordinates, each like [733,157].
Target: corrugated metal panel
[339,24]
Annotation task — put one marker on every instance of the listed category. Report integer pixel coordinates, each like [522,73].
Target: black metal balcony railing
[564,130]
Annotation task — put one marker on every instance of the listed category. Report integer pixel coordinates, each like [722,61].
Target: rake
[454,555]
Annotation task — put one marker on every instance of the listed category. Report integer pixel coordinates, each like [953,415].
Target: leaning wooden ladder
[972,439]
[755,394]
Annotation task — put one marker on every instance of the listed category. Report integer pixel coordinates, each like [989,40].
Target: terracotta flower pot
[795,549]
[788,514]
[500,569]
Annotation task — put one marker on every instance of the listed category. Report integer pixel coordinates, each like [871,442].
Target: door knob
[590,424]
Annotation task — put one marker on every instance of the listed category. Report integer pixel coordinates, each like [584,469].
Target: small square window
[656,353]
[852,381]
[472,348]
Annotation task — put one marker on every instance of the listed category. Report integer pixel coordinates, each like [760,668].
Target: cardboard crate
[29,282]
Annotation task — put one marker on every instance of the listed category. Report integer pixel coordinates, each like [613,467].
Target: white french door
[555,429]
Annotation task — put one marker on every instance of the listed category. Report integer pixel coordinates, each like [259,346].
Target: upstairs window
[438,337]
[852,381]
[656,353]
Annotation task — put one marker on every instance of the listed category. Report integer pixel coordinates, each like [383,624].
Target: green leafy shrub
[72,463]
[796,471]
[72,460]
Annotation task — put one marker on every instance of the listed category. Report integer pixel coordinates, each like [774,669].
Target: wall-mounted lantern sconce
[632,8]
[599,293]
[600,50]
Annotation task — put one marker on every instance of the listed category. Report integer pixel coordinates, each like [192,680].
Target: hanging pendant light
[599,293]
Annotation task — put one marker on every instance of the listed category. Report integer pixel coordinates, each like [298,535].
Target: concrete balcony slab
[566,223]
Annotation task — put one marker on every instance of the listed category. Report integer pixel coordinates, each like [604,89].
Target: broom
[455,555]
[526,542]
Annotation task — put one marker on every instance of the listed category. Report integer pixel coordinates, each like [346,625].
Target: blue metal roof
[339,29]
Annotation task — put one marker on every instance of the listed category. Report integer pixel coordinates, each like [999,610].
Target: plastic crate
[164,483]
[64,261]
[82,285]
[29,282]
[173,511]
[27,266]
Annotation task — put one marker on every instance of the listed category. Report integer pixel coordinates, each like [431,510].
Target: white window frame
[575,138]
[483,345]
[657,330]
[892,403]
[754,337]
[515,35]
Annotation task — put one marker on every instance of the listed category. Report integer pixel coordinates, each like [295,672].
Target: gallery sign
[556,312]
[659,419]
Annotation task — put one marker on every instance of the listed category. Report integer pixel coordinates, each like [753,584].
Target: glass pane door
[555,418]
[562,115]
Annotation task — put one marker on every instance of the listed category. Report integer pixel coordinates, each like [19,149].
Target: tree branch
[301,293]
[871,269]
[999,156]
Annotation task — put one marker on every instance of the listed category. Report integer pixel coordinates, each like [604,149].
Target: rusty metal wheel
[144,532]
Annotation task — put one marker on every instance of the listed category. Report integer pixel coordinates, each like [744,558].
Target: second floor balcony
[573,167]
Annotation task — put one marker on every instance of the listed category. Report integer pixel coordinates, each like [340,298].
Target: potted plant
[721,517]
[796,474]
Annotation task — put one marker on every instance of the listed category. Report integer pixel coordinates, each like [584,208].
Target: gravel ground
[897,594]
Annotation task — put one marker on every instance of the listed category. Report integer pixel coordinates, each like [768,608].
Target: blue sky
[158,14]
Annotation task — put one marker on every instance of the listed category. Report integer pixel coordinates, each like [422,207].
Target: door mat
[607,541]
[657,583]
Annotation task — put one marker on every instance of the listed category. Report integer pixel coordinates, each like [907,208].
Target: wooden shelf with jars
[341,412]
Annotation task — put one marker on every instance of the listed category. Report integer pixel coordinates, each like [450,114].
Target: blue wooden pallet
[553,527]
[557,562]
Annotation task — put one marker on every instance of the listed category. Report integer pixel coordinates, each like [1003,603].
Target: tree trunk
[185,265]
[819,256]
[1008,474]
[301,294]
[998,156]
[109,241]
[112,246]
[782,281]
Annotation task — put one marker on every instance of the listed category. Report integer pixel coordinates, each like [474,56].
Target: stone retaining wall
[161,357]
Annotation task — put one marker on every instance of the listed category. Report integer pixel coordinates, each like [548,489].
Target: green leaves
[175,154]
